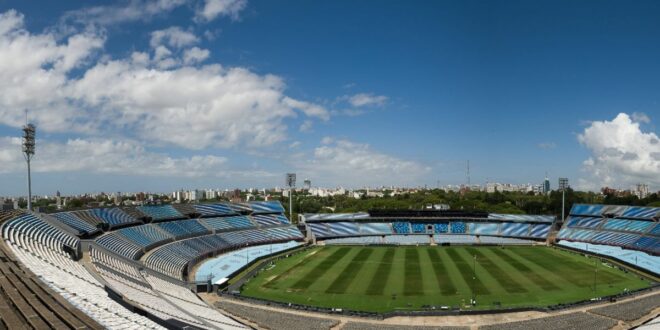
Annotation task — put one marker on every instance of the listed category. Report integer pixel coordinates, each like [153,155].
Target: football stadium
[245,265]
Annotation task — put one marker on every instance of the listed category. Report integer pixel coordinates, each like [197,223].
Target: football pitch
[382,279]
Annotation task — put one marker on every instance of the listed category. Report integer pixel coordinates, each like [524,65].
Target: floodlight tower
[291,183]
[563,185]
[29,132]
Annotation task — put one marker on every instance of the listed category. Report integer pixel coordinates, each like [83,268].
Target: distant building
[546,185]
[307,184]
[58,200]
[641,190]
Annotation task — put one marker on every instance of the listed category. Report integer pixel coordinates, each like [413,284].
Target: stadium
[245,265]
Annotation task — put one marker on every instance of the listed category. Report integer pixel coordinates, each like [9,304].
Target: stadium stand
[25,302]
[572,321]
[327,226]
[81,227]
[401,227]
[629,310]
[160,297]
[653,324]
[185,209]
[174,259]
[40,250]
[160,212]
[48,246]
[454,239]
[222,266]
[631,257]
[362,240]
[407,239]
[228,223]
[90,221]
[418,228]
[375,229]
[214,210]
[119,245]
[344,228]
[183,228]
[629,227]
[484,228]
[457,227]
[266,207]
[371,326]
[274,320]
[441,228]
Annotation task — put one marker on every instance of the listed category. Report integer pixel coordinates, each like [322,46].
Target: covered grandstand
[128,267]
[441,227]
[630,234]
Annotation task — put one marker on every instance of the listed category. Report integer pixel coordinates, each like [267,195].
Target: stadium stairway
[27,303]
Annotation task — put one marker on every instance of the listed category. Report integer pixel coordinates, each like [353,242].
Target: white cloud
[128,11]
[367,99]
[352,164]
[106,157]
[640,117]
[214,8]
[34,70]
[195,55]
[621,154]
[306,126]
[161,100]
[174,37]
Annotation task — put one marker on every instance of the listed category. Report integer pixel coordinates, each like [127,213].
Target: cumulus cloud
[35,74]
[174,37]
[214,8]
[126,11]
[640,117]
[621,153]
[347,163]
[195,55]
[106,157]
[367,99]
[159,97]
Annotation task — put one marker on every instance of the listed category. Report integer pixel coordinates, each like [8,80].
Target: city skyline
[142,96]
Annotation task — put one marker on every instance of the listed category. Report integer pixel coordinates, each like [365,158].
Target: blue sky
[156,96]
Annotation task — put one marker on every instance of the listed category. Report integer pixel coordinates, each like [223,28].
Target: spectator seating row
[88,221]
[173,259]
[160,212]
[132,242]
[507,229]
[40,249]
[26,302]
[160,297]
[629,227]
[228,223]
[183,228]
[636,258]
[629,212]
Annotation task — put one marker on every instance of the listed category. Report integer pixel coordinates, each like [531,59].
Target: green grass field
[380,279]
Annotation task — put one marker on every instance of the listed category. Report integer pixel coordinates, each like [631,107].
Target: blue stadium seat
[440,228]
[161,212]
[457,227]
[401,227]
